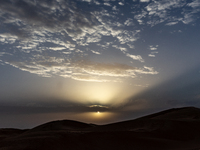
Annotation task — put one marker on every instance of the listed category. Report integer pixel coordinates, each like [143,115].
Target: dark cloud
[17,31]
[52,15]
[50,106]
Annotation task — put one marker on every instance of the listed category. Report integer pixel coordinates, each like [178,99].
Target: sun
[98,112]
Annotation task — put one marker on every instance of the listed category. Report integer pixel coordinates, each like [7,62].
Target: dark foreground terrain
[174,129]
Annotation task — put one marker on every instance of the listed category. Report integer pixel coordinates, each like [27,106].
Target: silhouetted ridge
[188,113]
[173,129]
[161,121]
[63,125]
[10,132]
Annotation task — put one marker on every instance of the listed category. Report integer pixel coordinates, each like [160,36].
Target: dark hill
[161,120]
[62,125]
[185,113]
[9,132]
[173,129]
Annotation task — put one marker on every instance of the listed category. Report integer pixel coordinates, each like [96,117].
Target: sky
[69,59]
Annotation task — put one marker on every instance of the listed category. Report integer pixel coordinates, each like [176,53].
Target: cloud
[57,48]
[7,38]
[4,53]
[33,20]
[107,4]
[95,52]
[144,0]
[151,55]
[187,13]
[120,3]
[82,70]
[172,23]
[152,47]
[50,107]
[52,38]
[87,69]
[41,15]
[129,22]
[89,78]
[98,106]
[104,69]
[125,51]
[194,4]
[135,57]
[147,70]
[87,1]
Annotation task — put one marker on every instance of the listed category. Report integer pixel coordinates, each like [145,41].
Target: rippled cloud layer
[55,37]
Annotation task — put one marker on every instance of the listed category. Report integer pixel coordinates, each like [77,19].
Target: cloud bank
[46,37]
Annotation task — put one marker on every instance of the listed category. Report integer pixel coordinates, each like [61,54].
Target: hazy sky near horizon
[64,59]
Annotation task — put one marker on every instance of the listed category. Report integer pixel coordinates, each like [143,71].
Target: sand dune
[174,129]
